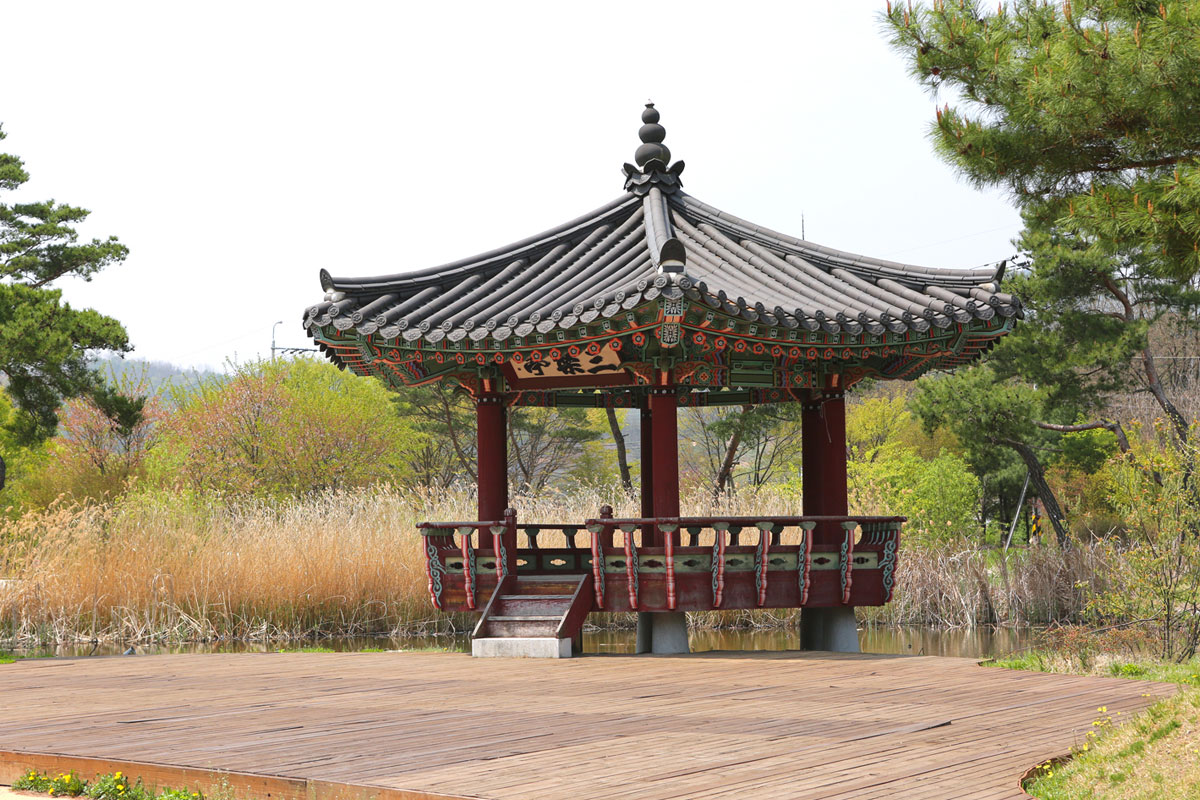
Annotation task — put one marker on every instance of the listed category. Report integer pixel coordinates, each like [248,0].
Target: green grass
[7,658]
[110,786]
[1153,756]
[1186,674]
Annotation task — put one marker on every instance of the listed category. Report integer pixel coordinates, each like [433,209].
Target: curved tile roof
[656,242]
[614,258]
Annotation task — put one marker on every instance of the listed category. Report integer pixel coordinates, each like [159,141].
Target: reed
[178,567]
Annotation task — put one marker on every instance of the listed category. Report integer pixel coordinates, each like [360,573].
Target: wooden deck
[427,725]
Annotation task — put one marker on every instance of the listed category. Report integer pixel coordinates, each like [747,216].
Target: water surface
[967,643]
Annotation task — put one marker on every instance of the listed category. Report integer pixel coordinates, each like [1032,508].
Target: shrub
[280,428]
[939,496]
[1154,487]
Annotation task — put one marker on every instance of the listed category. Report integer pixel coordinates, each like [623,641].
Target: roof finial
[652,135]
[652,159]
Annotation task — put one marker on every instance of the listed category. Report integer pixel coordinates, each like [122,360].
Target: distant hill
[158,374]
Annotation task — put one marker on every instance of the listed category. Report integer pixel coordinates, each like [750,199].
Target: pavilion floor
[418,726]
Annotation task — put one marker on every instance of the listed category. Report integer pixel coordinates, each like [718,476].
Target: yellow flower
[117,775]
[1102,709]
[119,786]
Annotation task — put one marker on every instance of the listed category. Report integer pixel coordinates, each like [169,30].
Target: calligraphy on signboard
[569,365]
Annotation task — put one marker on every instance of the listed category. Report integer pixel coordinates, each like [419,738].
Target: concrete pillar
[663,633]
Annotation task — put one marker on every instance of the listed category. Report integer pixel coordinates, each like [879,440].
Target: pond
[966,643]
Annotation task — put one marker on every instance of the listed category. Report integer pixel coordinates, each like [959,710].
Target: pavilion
[651,302]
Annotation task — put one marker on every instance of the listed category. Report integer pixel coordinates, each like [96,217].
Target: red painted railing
[649,577]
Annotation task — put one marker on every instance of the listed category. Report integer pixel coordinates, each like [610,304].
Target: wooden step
[533,615]
[521,647]
[553,585]
[564,578]
[531,604]
[520,627]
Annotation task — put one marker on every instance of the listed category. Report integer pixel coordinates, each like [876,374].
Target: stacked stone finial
[652,135]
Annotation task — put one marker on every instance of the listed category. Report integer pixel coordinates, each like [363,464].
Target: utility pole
[273,327]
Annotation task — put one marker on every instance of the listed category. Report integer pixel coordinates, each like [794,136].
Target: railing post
[718,562]
[847,558]
[631,565]
[668,535]
[510,541]
[762,558]
[468,569]
[804,567]
[598,553]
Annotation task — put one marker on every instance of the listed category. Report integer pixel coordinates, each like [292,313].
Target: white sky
[237,148]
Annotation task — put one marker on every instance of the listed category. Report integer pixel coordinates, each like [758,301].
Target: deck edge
[245,785]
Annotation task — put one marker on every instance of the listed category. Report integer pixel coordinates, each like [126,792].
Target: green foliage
[114,786]
[66,784]
[1161,581]
[117,786]
[595,466]
[446,421]
[939,496]
[103,440]
[1086,113]
[19,457]
[43,341]
[279,428]
[738,447]
[545,442]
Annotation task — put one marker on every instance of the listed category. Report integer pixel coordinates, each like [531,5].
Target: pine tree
[1087,114]
[44,342]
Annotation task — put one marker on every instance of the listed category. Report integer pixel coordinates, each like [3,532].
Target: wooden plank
[418,725]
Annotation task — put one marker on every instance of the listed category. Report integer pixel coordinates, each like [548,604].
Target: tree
[279,428]
[742,445]
[43,341]
[1087,115]
[544,442]
[445,416]
[985,413]
[104,439]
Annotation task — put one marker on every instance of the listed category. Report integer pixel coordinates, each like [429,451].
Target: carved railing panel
[794,561]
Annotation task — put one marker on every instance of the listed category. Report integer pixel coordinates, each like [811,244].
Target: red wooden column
[647,444]
[812,446]
[823,443]
[492,468]
[823,460]
[665,445]
[664,631]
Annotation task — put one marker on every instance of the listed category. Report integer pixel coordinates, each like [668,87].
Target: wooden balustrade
[821,557]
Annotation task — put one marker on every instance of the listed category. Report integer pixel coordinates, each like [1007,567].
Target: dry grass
[960,586]
[178,567]
[168,567]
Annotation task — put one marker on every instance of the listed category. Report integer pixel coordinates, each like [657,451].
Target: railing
[644,565]
[439,538]
[882,538]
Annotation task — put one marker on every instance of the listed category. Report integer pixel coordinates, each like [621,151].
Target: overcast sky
[237,148]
